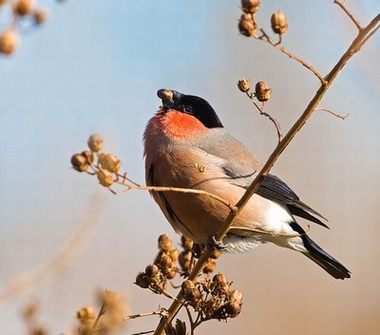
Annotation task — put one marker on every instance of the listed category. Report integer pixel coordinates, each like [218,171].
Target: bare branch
[354,20]
[339,116]
[272,119]
[265,38]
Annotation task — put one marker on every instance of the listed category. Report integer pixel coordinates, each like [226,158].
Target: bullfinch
[187,146]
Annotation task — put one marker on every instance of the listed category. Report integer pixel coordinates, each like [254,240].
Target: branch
[339,116]
[265,38]
[354,20]
[310,109]
[272,119]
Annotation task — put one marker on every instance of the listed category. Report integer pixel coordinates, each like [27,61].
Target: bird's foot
[213,243]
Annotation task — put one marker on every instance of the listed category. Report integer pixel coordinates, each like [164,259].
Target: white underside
[276,224]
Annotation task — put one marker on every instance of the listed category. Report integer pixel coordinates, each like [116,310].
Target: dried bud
[86,315]
[79,162]
[95,142]
[8,42]
[244,85]
[185,258]
[187,244]
[250,6]
[187,285]
[279,22]
[142,281]
[220,278]
[105,178]
[215,254]
[166,261]
[262,91]
[40,16]
[247,25]
[164,243]
[23,7]
[109,162]
[171,274]
[38,329]
[210,266]
[233,307]
[88,155]
[151,270]
[174,254]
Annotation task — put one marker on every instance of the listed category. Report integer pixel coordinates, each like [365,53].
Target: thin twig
[354,20]
[339,116]
[175,189]
[310,109]
[272,119]
[161,312]
[144,332]
[265,38]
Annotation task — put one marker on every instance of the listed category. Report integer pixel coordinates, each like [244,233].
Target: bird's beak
[169,98]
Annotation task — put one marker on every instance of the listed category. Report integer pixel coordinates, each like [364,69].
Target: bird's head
[190,105]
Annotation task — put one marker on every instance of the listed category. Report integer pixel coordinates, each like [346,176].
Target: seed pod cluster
[262,90]
[213,298]
[186,259]
[19,10]
[164,267]
[105,166]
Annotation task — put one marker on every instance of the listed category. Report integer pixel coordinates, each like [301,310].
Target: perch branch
[354,20]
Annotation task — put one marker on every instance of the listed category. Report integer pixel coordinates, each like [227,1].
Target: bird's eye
[187,109]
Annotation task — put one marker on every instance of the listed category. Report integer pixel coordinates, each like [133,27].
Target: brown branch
[310,109]
[354,20]
[62,259]
[339,116]
[265,38]
[161,312]
[263,113]
[136,186]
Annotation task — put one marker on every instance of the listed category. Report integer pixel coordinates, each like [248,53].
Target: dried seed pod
[86,315]
[95,142]
[247,25]
[220,278]
[164,243]
[180,327]
[151,270]
[210,266]
[23,7]
[142,280]
[40,16]
[174,253]
[38,329]
[244,85]
[187,244]
[215,254]
[166,261]
[105,177]
[233,307]
[262,91]
[8,42]
[185,258]
[30,310]
[279,22]
[250,6]
[79,162]
[109,162]
[88,155]
[171,274]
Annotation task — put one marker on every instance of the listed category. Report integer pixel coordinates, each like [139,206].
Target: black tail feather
[323,259]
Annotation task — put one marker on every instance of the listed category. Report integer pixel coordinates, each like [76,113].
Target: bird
[187,146]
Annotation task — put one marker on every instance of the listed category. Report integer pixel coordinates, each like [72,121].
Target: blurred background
[96,67]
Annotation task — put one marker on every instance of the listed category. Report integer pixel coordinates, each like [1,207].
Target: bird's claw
[213,243]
